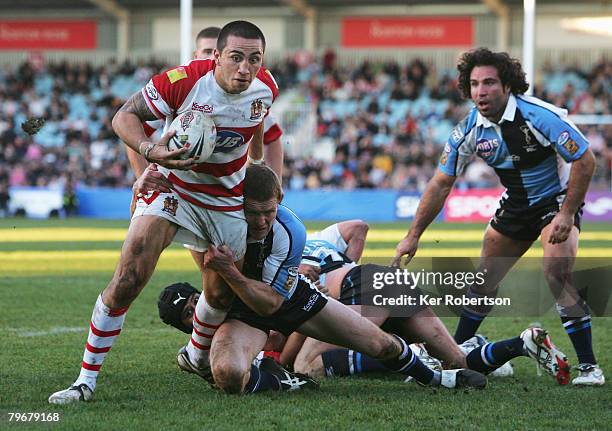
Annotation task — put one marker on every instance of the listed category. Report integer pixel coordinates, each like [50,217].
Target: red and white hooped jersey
[217,183]
[272,130]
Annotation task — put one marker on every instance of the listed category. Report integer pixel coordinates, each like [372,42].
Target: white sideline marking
[22,332]
[27,332]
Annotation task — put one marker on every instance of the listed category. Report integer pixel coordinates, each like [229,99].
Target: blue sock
[260,381]
[409,364]
[467,326]
[579,331]
[491,356]
[345,362]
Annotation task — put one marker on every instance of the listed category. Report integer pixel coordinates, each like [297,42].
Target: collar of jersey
[508,114]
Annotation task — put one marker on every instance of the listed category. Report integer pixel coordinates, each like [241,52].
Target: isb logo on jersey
[228,140]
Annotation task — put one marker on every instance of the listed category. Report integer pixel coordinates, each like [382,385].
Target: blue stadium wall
[371,205]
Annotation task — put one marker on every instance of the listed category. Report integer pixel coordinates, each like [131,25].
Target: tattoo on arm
[137,105]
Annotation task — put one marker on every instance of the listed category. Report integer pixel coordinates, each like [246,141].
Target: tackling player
[271,295]
[546,166]
[205,205]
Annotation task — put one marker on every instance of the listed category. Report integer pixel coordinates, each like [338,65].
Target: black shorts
[526,222]
[356,289]
[305,302]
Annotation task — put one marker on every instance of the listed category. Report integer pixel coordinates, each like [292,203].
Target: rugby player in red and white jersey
[205,205]
[273,152]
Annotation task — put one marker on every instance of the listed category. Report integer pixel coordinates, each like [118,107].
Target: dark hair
[261,184]
[509,70]
[209,33]
[170,304]
[243,29]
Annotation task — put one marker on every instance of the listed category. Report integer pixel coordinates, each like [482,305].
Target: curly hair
[509,70]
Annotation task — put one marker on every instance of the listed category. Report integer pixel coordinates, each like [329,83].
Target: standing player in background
[205,205]
[546,166]
[205,44]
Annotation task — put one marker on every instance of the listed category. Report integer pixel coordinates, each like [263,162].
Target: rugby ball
[198,130]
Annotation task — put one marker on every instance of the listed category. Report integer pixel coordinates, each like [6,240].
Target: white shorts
[332,235]
[198,227]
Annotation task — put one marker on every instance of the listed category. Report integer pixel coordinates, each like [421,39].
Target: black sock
[467,326]
[409,364]
[345,362]
[491,356]
[261,380]
[579,331]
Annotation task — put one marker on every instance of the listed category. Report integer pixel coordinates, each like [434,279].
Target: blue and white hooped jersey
[530,149]
[276,259]
[326,249]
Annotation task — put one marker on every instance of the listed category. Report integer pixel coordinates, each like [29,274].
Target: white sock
[206,321]
[104,327]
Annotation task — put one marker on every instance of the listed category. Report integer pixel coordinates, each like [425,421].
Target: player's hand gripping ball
[197,130]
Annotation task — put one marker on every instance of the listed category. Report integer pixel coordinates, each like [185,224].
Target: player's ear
[282,195]
[216,55]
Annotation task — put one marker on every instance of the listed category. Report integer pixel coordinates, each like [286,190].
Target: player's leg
[234,347]
[499,253]
[209,313]
[426,327]
[574,312]
[228,228]
[337,324]
[139,256]
[316,358]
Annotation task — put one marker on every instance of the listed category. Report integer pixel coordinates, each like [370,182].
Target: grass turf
[46,306]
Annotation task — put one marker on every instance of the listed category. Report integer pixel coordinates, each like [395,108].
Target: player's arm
[581,173]
[256,146]
[273,155]
[258,296]
[432,201]
[127,124]
[354,233]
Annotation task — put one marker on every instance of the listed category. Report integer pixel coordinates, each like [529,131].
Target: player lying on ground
[328,250]
[271,295]
[205,205]
[546,165]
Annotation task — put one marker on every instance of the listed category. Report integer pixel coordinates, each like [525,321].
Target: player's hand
[560,228]
[219,259]
[151,180]
[310,271]
[161,155]
[406,247]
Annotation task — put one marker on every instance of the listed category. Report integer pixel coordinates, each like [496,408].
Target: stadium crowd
[388,121]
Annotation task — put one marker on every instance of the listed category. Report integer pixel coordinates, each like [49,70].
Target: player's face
[260,217]
[189,309]
[205,48]
[488,93]
[238,64]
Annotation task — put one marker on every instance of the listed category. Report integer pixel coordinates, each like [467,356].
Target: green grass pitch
[50,277]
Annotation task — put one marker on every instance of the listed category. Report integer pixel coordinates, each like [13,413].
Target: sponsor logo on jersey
[227,140]
[170,205]
[528,146]
[152,92]
[256,109]
[571,146]
[486,147]
[444,158]
[291,278]
[207,109]
[176,74]
[186,120]
[457,134]
[563,137]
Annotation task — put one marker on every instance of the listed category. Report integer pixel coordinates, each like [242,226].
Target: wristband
[255,161]
[145,153]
